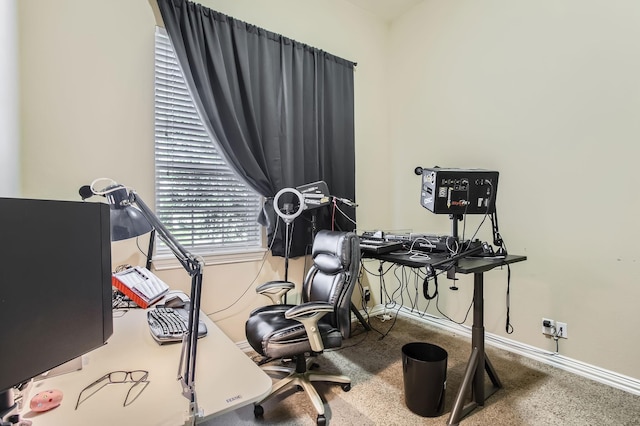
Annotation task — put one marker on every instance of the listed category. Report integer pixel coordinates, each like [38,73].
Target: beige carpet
[533,393]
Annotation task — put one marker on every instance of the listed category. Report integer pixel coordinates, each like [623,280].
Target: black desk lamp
[131,217]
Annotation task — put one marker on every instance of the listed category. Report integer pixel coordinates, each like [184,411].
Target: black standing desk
[474,375]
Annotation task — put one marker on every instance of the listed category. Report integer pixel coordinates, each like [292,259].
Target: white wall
[546,93]
[9,117]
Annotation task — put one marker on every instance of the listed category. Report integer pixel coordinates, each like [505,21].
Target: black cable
[425,287]
[486,213]
[445,315]
[380,271]
[146,255]
[264,258]
[414,305]
[383,286]
[416,295]
[395,318]
[380,274]
[391,303]
[451,319]
[508,327]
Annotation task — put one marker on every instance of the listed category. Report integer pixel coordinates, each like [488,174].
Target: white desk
[226,378]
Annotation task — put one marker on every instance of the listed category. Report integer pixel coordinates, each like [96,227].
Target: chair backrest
[332,277]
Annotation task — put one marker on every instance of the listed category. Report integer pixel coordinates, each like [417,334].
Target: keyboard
[430,243]
[379,246]
[170,324]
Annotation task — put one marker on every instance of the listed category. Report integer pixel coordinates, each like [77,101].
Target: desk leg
[478,362]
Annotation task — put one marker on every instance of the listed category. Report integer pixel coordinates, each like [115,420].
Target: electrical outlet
[548,326]
[366,293]
[561,330]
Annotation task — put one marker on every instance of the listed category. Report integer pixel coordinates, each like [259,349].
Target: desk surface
[226,378]
[467,265]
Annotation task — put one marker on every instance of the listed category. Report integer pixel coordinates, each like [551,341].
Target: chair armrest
[274,290]
[309,314]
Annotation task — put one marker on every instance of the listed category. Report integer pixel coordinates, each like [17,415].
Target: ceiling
[388,10]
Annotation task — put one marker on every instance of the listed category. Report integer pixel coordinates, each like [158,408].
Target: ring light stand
[288,217]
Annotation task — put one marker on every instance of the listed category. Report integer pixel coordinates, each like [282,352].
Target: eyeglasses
[136,377]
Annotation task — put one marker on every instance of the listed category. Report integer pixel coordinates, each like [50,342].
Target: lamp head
[127,221]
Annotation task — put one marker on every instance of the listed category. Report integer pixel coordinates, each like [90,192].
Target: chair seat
[272,335]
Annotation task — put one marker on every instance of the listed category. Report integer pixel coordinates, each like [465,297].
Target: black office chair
[319,323]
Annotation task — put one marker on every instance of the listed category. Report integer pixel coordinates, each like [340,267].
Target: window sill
[167,261]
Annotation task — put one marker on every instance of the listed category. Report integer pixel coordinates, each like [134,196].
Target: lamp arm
[186,259]
[193,266]
[497,238]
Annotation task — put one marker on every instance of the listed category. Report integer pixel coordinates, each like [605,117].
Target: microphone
[85,192]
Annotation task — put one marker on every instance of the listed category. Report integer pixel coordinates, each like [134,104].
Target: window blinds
[198,196]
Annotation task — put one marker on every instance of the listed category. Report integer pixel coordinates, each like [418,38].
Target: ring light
[288,218]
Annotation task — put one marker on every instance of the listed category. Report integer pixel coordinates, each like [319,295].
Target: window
[199,198]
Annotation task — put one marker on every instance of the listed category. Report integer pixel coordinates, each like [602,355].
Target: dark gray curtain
[281,111]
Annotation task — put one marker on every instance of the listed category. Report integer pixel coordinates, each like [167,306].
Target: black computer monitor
[55,285]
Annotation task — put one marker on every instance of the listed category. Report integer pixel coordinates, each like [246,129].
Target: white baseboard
[610,378]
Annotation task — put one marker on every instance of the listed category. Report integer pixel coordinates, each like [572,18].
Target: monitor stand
[455,218]
[68,367]
[451,272]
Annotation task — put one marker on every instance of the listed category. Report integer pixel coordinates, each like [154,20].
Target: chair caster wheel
[322,420]
[258,411]
[346,387]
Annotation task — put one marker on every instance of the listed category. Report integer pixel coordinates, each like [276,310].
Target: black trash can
[424,368]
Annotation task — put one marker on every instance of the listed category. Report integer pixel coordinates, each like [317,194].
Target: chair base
[302,376]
